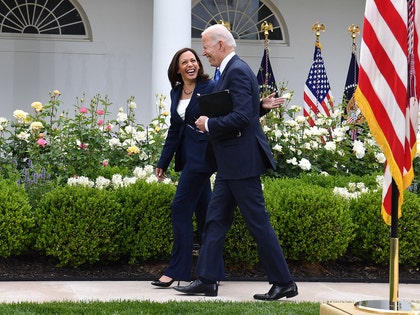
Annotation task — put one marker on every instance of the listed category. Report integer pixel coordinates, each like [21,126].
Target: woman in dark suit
[193,157]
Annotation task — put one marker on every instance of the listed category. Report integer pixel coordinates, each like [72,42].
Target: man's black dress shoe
[159,283]
[277,292]
[198,287]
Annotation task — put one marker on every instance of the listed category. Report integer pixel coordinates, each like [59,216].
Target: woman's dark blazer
[190,146]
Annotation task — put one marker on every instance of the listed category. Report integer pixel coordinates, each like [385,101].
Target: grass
[147,307]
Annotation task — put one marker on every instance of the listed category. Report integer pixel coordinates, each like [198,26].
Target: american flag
[317,92]
[387,93]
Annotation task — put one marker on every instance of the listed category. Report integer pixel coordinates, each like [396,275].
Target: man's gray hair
[220,32]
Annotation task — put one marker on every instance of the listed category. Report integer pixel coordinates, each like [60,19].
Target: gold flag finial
[317,28]
[354,30]
[225,24]
[265,27]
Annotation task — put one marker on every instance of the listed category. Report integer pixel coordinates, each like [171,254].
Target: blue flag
[352,78]
[265,76]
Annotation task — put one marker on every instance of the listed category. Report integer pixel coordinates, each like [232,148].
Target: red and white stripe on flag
[384,94]
[317,95]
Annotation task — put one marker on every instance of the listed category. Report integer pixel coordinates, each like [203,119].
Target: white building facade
[124,47]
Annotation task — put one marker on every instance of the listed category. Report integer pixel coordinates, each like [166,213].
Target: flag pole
[394,256]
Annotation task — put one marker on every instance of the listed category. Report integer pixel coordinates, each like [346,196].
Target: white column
[171,31]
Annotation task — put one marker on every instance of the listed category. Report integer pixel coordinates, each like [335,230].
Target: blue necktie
[216,75]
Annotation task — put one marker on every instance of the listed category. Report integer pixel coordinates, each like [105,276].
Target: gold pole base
[386,307]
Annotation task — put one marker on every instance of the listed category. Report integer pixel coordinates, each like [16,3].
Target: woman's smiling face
[188,66]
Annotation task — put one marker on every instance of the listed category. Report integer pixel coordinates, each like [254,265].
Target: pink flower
[83,146]
[100,112]
[83,110]
[42,142]
[105,163]
[100,122]
[109,127]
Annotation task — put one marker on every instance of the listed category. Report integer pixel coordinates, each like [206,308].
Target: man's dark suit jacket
[248,155]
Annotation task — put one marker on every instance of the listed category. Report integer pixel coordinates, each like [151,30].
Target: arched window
[244,17]
[63,19]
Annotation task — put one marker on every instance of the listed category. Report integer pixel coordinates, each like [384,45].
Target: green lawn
[145,307]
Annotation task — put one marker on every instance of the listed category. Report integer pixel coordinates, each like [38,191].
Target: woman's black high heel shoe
[162,284]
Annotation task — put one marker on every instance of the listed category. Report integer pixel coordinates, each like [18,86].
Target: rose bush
[92,143]
[87,143]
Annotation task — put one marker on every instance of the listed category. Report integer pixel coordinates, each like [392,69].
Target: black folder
[215,104]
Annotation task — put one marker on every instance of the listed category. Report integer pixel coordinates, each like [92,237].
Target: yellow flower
[57,92]
[157,128]
[36,125]
[165,113]
[20,115]
[133,150]
[37,106]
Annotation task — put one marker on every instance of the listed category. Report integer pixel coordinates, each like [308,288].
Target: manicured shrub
[147,228]
[312,223]
[16,219]
[372,241]
[79,225]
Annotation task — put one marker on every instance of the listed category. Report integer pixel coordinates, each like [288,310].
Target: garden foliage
[80,188]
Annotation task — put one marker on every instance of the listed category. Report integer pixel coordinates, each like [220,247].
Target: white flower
[121,117]
[292,161]
[23,135]
[114,142]
[149,169]
[380,157]
[140,136]
[291,123]
[359,149]
[151,179]
[278,148]
[277,133]
[3,122]
[80,181]
[330,146]
[117,180]
[139,172]
[286,96]
[129,181]
[102,182]
[295,108]
[132,105]
[305,164]
[300,119]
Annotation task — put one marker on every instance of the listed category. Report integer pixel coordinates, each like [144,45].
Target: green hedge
[147,227]
[16,219]
[78,225]
[313,224]
[372,241]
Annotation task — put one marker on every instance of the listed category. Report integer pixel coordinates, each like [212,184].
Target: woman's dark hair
[173,75]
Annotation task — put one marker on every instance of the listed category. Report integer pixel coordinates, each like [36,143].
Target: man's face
[211,50]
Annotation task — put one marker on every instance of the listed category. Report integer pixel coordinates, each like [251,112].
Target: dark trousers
[248,195]
[192,196]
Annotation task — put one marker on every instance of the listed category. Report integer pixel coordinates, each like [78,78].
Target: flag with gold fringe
[387,92]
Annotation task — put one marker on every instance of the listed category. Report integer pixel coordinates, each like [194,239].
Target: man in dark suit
[241,159]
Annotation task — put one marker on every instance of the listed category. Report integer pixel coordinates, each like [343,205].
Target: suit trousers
[248,195]
[192,195]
